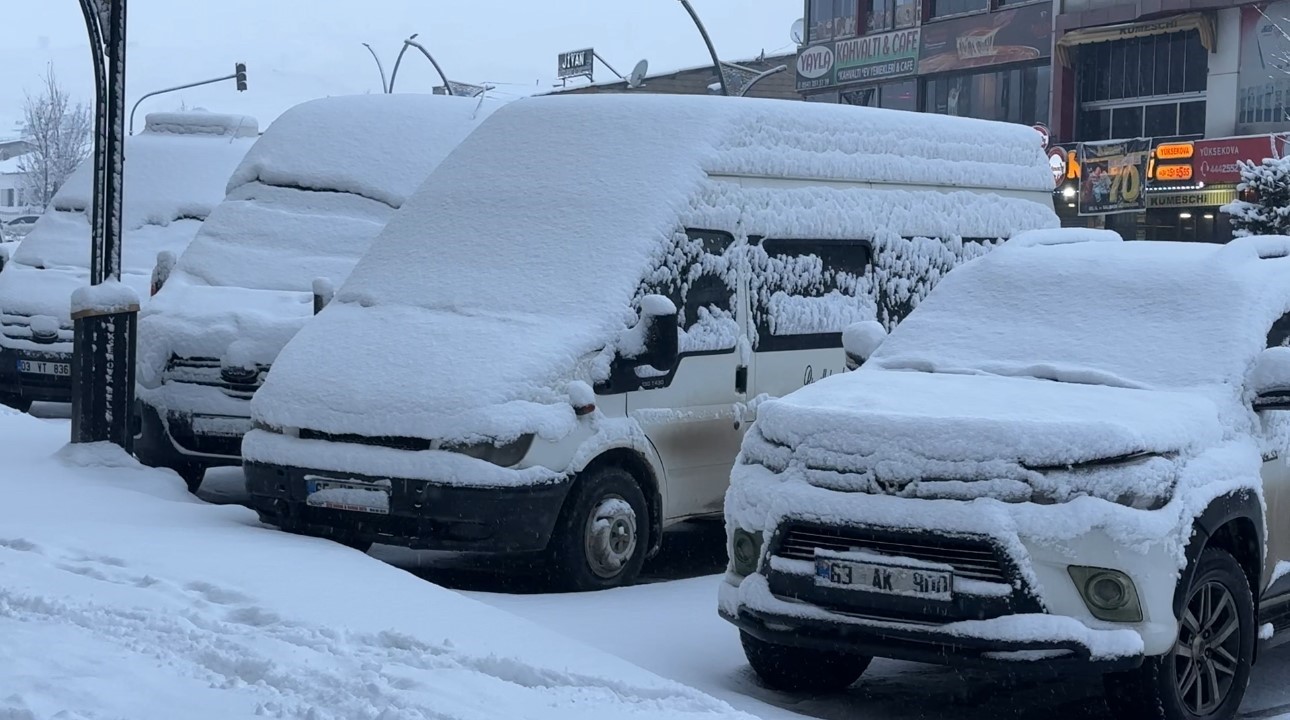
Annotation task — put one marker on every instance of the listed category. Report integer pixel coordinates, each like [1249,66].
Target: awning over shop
[1179,23]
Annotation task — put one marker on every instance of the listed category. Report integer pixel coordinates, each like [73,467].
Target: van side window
[1279,335]
[806,292]
[700,278]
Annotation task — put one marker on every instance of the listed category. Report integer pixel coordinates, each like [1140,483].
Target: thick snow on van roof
[176,171]
[321,183]
[524,251]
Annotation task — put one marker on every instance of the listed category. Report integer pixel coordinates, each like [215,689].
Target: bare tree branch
[59,134]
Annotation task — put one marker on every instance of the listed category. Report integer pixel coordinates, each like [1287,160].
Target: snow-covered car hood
[395,370]
[961,436]
[200,321]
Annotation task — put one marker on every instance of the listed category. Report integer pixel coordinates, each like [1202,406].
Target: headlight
[505,455]
[745,551]
[1109,594]
[1140,480]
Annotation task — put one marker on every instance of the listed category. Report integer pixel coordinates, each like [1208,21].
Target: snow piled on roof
[524,252]
[174,176]
[377,146]
[162,606]
[304,204]
[1161,314]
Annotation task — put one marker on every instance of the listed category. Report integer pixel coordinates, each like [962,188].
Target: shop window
[880,15]
[1142,67]
[943,8]
[900,95]
[1017,95]
[1191,118]
[1095,125]
[908,13]
[1126,122]
[831,19]
[1161,120]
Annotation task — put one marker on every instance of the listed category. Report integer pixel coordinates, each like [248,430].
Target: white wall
[1221,95]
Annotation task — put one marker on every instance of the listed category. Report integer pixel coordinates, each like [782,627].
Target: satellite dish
[798,33]
[637,78]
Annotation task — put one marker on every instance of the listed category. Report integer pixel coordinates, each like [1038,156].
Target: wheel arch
[637,463]
[1233,523]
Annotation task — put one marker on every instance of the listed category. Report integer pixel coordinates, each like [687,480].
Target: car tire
[1220,630]
[794,669]
[17,402]
[602,534]
[193,476]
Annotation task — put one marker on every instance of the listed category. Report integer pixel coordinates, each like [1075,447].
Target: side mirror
[1269,380]
[323,293]
[661,333]
[861,340]
[161,271]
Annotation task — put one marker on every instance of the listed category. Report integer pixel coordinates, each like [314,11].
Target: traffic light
[240,74]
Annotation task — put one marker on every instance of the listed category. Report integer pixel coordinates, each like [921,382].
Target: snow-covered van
[301,209]
[176,170]
[557,344]
[1074,452]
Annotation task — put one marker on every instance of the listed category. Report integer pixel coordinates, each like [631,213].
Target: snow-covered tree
[1269,211]
[59,135]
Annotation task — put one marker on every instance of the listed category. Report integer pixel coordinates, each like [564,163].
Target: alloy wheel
[1205,654]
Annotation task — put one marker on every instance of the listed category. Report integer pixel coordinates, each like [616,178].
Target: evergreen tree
[1269,213]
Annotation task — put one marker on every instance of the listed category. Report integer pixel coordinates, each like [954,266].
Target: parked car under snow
[177,171]
[303,206]
[556,345]
[1074,450]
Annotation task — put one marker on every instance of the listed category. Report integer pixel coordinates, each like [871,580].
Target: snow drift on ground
[176,171]
[304,204]
[520,260]
[123,596]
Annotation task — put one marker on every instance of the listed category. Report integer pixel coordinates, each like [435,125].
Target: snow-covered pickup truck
[1072,452]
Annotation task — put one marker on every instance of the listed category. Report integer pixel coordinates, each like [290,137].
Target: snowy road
[669,626]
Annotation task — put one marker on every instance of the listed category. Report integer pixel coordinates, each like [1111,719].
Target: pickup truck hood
[902,426]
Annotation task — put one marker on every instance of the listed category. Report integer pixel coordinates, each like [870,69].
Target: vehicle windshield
[1129,315]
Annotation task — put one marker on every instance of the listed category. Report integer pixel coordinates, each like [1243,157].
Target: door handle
[741,379]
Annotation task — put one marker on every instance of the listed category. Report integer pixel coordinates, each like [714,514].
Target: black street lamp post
[104,350]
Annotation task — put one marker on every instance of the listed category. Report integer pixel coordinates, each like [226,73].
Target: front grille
[972,558]
[208,371]
[17,326]
[390,441]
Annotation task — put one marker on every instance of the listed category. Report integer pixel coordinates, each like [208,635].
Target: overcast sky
[300,49]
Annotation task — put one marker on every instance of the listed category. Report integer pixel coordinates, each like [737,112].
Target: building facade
[987,59]
[13,182]
[1147,104]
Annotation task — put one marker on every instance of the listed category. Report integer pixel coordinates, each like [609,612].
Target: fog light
[745,551]
[1109,594]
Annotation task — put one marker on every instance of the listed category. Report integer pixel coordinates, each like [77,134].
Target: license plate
[221,426]
[41,367]
[349,496]
[883,578]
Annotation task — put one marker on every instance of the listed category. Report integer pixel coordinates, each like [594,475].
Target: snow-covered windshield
[1126,314]
[294,214]
[176,172]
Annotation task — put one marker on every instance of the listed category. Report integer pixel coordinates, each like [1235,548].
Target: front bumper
[423,515]
[800,625]
[172,441]
[33,386]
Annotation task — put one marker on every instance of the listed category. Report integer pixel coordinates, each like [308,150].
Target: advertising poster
[1112,176]
[997,38]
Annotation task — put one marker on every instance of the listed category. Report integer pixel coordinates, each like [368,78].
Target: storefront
[970,58]
[1184,185]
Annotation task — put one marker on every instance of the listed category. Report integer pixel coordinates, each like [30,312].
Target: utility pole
[105,318]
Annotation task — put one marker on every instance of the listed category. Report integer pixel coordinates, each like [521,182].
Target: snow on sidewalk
[123,597]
